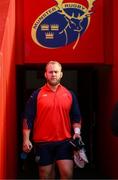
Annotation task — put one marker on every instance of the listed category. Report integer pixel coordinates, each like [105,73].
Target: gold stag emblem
[69,18]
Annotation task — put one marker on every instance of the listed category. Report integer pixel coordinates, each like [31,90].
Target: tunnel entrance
[83,80]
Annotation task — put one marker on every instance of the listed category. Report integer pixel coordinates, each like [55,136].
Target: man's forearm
[77,130]
[26,134]
[76,125]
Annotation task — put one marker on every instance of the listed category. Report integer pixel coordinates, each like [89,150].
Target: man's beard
[53,83]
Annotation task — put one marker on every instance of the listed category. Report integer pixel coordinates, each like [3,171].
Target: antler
[80,17]
[60,2]
[87,13]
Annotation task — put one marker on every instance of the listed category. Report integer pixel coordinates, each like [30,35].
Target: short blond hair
[53,62]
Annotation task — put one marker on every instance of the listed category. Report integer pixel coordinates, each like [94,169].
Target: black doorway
[83,80]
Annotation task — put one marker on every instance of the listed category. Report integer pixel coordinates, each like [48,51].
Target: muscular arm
[75,116]
[27,145]
[28,120]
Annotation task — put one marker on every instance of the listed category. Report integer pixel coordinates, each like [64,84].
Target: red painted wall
[7,91]
[19,47]
[98,45]
[91,46]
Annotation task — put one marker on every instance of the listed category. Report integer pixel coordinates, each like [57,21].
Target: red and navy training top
[51,114]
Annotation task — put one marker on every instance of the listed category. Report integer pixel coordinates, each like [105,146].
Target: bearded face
[53,74]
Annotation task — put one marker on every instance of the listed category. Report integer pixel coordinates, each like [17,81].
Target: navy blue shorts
[48,153]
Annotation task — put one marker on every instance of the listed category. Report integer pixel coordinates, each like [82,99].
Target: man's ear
[45,75]
[61,74]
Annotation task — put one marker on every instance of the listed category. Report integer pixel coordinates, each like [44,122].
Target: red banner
[67,31]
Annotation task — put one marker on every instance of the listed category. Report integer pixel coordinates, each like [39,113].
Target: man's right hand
[27,146]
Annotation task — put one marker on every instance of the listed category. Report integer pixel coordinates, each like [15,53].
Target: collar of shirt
[47,87]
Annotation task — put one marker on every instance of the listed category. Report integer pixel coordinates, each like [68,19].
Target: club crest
[61,24]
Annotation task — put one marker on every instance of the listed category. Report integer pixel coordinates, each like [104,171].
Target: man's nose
[53,73]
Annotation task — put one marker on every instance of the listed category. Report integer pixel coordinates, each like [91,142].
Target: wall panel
[90,45]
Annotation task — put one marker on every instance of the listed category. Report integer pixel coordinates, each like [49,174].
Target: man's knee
[65,174]
[46,172]
[65,169]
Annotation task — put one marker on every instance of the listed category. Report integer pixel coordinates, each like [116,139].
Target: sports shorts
[48,152]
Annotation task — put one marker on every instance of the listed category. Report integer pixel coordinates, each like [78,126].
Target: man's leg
[47,172]
[65,168]
[64,160]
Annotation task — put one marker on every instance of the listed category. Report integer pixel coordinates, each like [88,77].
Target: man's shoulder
[64,88]
[68,90]
[35,93]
